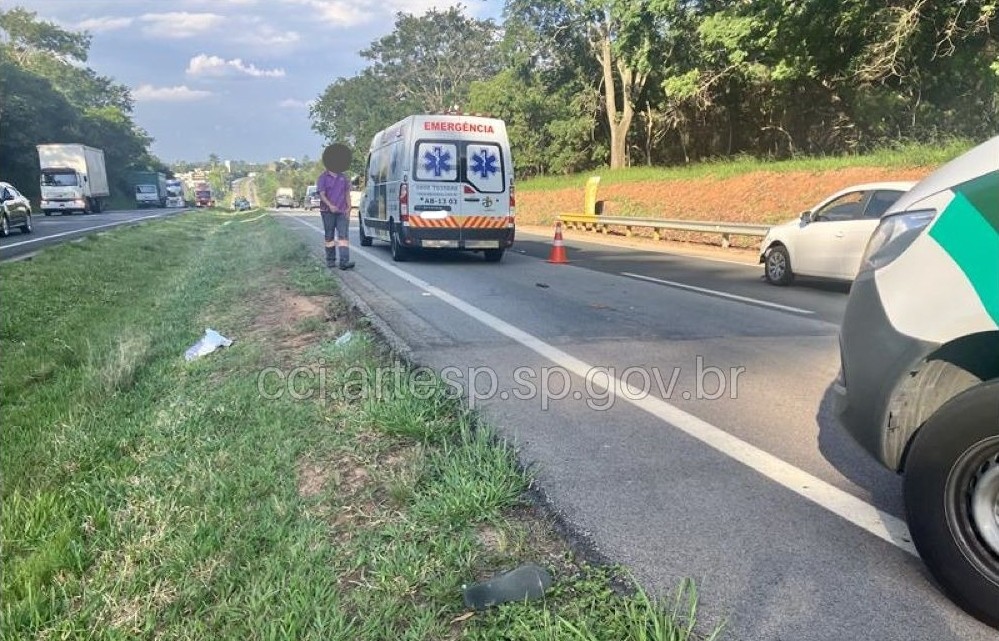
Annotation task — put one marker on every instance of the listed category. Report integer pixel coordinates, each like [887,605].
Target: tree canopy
[583,83]
[50,96]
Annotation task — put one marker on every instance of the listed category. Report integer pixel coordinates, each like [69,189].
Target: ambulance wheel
[952,498]
[493,255]
[400,254]
[365,239]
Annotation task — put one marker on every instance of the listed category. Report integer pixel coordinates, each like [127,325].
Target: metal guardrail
[603,223]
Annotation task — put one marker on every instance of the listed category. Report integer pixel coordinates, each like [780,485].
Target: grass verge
[901,156]
[235,496]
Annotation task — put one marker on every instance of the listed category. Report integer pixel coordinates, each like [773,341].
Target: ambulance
[919,382]
[440,182]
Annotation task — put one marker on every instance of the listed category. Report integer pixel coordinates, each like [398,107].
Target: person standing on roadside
[334,205]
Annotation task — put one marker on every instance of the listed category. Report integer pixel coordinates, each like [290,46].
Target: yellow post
[590,196]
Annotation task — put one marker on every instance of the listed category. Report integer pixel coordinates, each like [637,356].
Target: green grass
[148,497]
[900,156]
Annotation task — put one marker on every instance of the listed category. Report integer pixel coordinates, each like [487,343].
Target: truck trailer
[73,178]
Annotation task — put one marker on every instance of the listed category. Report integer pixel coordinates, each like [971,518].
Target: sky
[232,77]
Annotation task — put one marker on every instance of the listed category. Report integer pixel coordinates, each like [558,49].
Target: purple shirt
[336,188]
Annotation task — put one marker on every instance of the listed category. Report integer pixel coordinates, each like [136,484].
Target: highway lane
[789,529]
[52,230]
[824,299]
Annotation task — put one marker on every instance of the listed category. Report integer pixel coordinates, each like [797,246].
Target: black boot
[330,257]
[345,261]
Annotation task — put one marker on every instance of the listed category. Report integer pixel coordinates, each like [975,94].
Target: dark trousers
[335,227]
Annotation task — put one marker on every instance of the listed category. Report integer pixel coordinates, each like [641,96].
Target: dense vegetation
[50,96]
[583,83]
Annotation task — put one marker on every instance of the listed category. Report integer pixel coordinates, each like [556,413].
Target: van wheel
[400,254]
[777,266]
[952,498]
[365,239]
[493,255]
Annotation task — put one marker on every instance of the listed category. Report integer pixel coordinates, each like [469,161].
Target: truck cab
[62,190]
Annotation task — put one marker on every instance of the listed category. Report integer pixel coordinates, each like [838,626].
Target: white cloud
[352,13]
[181,93]
[340,13]
[205,65]
[180,24]
[215,3]
[102,24]
[292,103]
[267,36]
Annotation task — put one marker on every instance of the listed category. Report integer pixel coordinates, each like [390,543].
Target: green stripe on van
[972,241]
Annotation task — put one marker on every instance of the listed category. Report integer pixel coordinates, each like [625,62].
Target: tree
[625,37]
[49,96]
[435,72]
[27,37]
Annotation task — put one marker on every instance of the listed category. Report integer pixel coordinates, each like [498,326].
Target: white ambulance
[440,182]
[919,384]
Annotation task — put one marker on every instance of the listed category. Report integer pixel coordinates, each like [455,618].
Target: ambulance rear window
[477,163]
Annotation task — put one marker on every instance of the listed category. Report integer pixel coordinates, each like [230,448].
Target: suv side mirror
[806,217]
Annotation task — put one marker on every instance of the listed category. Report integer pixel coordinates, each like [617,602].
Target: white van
[441,182]
[919,383]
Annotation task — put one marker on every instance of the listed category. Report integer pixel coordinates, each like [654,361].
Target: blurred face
[337,158]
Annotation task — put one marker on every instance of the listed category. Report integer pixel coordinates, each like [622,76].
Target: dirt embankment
[763,197]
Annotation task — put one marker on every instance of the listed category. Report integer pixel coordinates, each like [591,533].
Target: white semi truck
[73,178]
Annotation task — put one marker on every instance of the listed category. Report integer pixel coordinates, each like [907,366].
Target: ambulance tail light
[513,205]
[404,202]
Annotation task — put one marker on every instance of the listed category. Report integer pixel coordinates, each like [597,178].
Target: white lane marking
[715,292]
[843,504]
[80,231]
[656,250]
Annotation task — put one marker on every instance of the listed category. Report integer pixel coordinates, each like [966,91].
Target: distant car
[828,241]
[311,198]
[241,204]
[16,210]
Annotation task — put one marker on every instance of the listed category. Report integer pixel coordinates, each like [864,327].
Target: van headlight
[894,234]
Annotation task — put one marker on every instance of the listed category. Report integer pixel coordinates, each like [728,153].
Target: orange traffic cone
[557,254]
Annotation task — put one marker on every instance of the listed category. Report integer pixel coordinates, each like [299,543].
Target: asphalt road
[52,230]
[752,489]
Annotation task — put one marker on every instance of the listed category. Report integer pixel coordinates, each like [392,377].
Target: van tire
[400,254]
[953,460]
[493,255]
[365,239]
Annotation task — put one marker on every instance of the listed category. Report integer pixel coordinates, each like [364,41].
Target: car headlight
[893,235]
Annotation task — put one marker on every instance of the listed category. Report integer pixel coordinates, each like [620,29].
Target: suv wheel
[952,498]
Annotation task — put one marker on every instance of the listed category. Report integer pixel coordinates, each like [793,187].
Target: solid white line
[881,524]
[715,292]
[80,231]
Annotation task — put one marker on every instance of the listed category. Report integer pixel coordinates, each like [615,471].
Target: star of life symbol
[437,161]
[484,163]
